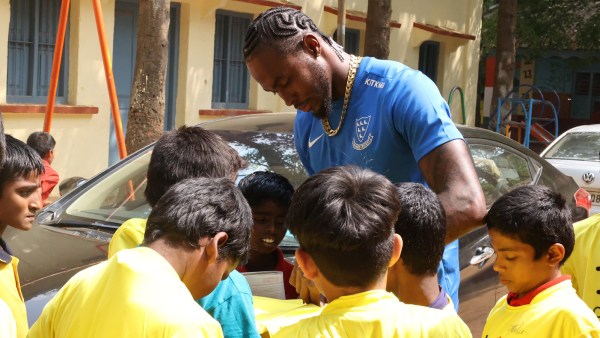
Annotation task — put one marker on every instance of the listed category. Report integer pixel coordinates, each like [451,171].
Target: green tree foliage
[547,25]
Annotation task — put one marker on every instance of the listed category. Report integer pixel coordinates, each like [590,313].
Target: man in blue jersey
[373,113]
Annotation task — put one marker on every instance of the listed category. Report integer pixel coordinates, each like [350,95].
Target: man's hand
[306,288]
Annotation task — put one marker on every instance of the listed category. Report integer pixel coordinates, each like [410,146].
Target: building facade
[207,77]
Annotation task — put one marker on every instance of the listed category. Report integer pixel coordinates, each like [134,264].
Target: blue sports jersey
[395,117]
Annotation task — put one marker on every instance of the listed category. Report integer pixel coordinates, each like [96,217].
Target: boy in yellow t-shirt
[179,154]
[584,263]
[531,231]
[343,218]
[186,152]
[19,200]
[196,234]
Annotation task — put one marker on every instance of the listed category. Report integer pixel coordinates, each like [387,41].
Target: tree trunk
[377,36]
[147,106]
[505,54]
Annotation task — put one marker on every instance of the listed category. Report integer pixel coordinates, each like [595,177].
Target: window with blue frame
[230,75]
[429,54]
[31,40]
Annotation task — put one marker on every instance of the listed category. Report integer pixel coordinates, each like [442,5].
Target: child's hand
[306,289]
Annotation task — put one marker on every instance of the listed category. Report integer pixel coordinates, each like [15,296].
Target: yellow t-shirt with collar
[584,263]
[136,293]
[10,290]
[129,235]
[556,312]
[377,313]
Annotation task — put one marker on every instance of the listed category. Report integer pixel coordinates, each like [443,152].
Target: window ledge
[230,112]
[41,109]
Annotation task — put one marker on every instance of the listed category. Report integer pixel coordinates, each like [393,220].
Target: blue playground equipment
[541,124]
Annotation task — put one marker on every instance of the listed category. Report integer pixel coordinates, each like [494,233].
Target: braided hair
[283,26]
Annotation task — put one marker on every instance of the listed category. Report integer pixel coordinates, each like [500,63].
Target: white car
[577,153]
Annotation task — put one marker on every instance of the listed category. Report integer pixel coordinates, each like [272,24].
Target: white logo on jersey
[312,142]
[362,127]
[374,83]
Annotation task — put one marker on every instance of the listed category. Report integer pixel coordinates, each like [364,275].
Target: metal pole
[58,50]
[341,27]
[110,80]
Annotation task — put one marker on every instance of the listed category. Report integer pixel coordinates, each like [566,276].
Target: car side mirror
[482,254]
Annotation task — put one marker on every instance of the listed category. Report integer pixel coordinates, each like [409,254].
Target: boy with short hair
[43,143]
[422,226]
[190,152]
[531,231]
[20,199]
[196,234]
[269,195]
[343,218]
[178,154]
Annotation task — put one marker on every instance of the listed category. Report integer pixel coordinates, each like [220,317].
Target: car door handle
[482,254]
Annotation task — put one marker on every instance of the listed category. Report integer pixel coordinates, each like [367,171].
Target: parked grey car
[74,232]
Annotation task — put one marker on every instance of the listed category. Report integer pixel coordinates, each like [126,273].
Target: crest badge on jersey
[363,137]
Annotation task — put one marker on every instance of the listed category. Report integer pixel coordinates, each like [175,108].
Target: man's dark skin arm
[449,172]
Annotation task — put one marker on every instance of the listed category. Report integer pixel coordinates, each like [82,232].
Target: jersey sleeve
[48,323]
[420,114]
[43,326]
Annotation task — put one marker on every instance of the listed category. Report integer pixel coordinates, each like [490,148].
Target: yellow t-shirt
[273,314]
[556,312]
[8,326]
[136,293]
[129,235]
[10,293]
[377,313]
[584,263]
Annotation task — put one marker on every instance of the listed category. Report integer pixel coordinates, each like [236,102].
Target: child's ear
[307,264]
[556,253]
[397,250]
[213,245]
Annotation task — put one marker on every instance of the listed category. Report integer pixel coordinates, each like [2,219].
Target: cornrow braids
[282,25]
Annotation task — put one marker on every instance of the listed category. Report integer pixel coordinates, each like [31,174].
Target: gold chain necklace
[354,62]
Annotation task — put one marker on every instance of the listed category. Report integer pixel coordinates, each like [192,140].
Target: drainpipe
[58,50]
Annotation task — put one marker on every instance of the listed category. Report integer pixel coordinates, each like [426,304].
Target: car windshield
[120,194]
[580,146]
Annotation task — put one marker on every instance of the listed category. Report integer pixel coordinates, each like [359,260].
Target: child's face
[268,230]
[515,264]
[20,199]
